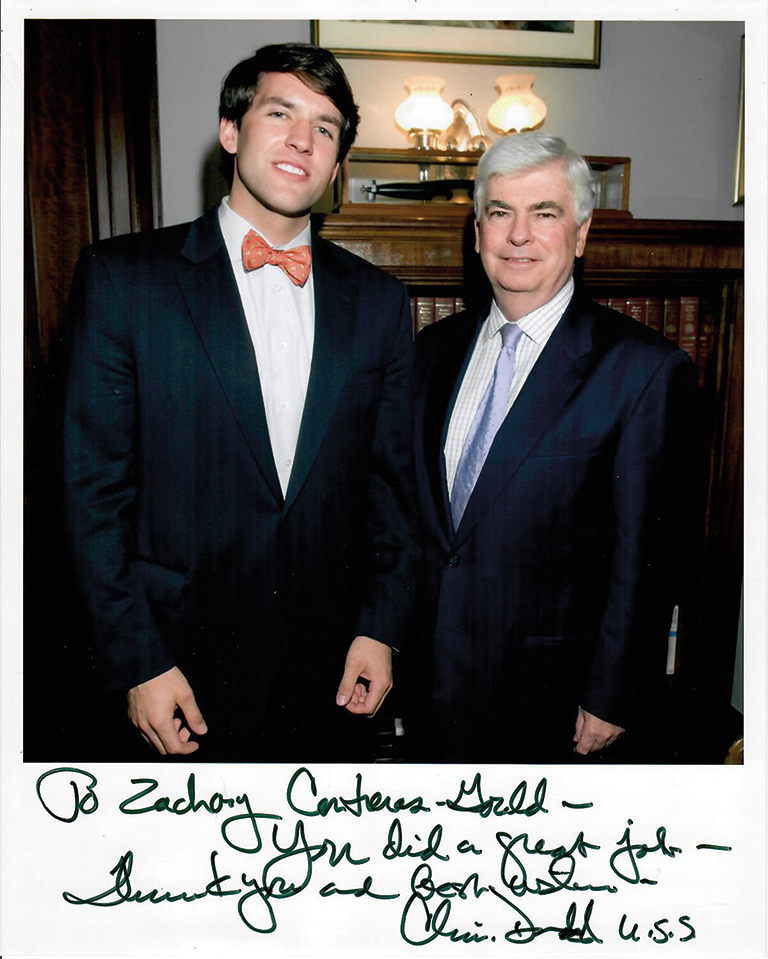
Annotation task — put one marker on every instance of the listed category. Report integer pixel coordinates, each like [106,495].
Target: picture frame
[479,41]
[738,171]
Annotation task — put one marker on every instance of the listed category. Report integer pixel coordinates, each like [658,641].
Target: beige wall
[666,95]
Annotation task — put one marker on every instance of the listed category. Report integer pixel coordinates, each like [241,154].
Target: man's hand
[151,708]
[370,660]
[593,733]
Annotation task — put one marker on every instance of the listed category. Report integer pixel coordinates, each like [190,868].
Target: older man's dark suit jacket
[185,550]
[557,589]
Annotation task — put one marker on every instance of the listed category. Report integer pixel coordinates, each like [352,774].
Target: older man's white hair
[523,152]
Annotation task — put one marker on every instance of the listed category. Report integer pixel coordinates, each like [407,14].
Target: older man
[552,443]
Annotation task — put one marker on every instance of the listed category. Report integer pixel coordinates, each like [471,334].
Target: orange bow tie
[295,263]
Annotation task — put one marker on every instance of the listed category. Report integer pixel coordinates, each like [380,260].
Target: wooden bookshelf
[430,247]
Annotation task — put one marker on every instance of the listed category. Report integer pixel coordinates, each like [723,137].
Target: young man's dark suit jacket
[185,550]
[557,589]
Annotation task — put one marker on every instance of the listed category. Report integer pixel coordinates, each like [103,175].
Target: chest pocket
[555,447]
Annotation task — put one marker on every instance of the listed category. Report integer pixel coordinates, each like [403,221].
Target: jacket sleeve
[100,479]
[388,601]
[654,495]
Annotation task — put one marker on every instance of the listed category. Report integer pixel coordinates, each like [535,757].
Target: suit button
[453,560]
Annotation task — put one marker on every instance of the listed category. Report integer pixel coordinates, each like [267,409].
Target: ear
[477,236]
[333,175]
[228,135]
[581,236]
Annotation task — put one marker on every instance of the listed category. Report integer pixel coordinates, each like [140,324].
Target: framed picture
[738,173]
[546,43]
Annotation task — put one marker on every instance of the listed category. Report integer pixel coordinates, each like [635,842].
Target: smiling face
[285,154]
[527,237]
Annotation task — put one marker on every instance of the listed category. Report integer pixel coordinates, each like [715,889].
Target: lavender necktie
[488,418]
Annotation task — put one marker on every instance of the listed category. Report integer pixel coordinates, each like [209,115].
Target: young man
[553,437]
[237,458]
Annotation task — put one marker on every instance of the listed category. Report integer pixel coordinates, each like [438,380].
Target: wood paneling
[419,244]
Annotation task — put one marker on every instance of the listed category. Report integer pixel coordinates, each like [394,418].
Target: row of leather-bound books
[428,309]
[686,320]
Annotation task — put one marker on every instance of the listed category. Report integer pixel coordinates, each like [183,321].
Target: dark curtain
[92,170]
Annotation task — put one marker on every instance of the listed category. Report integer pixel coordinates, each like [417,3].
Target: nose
[520,231]
[300,136]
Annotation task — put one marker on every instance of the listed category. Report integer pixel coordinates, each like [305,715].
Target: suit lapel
[335,313]
[443,382]
[564,364]
[211,295]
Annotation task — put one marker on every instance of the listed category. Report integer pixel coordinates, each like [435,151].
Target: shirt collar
[539,324]
[234,228]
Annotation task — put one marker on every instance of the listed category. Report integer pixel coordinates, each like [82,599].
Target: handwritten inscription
[531,877]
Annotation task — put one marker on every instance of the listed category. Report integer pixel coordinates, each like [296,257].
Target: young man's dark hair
[316,67]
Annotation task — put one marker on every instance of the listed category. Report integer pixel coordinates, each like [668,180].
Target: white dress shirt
[537,327]
[281,322]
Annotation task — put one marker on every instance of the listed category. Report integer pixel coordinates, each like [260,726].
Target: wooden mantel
[427,244]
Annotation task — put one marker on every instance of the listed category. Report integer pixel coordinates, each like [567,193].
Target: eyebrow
[542,205]
[547,205]
[289,105]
